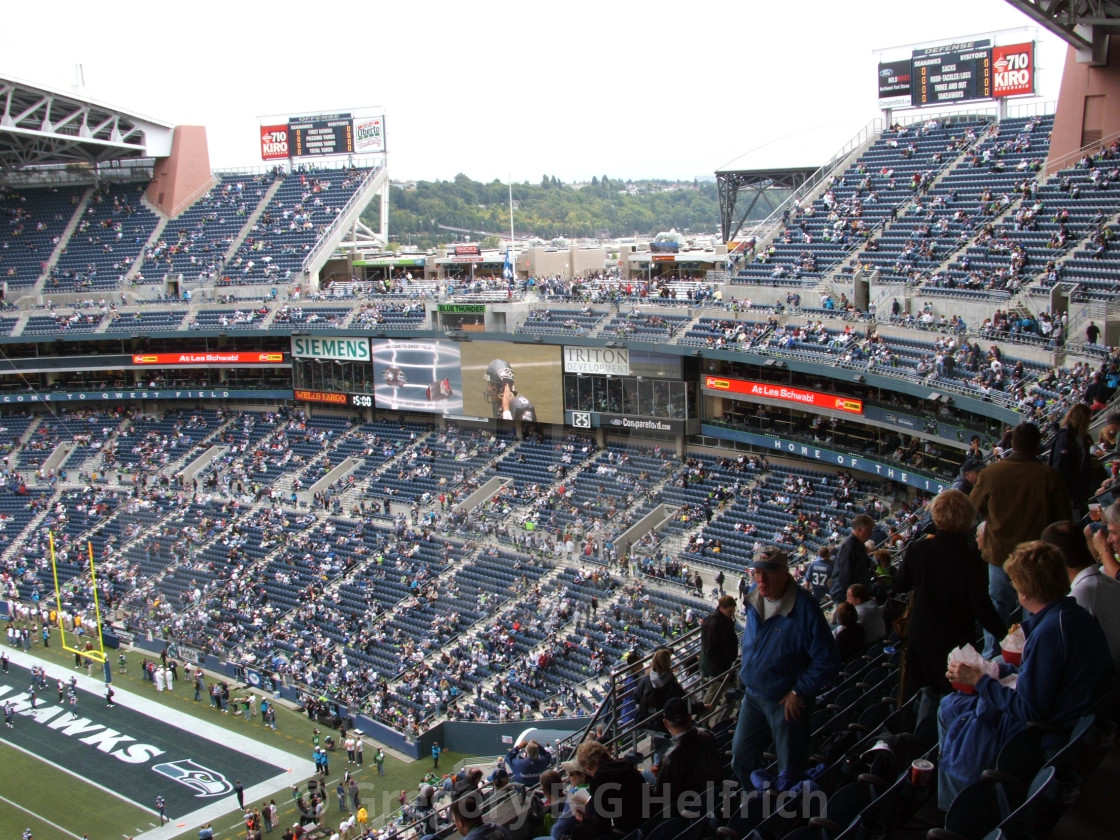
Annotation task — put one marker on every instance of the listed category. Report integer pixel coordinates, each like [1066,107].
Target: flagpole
[513,259]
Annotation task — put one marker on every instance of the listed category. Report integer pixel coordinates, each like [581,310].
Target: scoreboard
[957,73]
[323,135]
[319,136]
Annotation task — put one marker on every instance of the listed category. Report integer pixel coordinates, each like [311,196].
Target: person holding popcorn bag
[1065,668]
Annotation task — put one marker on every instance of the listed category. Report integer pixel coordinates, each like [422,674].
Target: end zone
[140,749]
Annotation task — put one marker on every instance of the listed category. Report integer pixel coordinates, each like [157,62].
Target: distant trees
[549,209]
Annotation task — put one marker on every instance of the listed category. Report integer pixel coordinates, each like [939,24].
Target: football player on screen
[502,394]
[394,376]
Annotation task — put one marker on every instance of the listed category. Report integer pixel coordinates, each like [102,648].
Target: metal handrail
[856,247]
[1089,149]
[347,208]
[772,222]
[684,648]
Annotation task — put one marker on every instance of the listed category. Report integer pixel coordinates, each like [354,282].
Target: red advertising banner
[784,393]
[274,142]
[321,397]
[1013,70]
[172,359]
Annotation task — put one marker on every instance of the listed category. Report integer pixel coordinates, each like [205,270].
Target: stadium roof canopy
[1084,24]
[755,183]
[40,126]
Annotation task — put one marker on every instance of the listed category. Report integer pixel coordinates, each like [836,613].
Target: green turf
[293,735]
[66,801]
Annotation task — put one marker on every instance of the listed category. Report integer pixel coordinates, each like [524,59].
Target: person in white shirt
[1095,591]
[870,617]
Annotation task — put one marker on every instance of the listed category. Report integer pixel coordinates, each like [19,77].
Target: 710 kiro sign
[274,142]
[1013,70]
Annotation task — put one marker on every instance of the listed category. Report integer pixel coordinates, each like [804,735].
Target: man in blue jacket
[528,760]
[788,657]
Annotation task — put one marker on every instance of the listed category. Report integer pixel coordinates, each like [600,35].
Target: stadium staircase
[56,254]
[580,690]
[286,484]
[320,253]
[1080,312]
[766,231]
[134,271]
[842,270]
[18,545]
[252,219]
[354,495]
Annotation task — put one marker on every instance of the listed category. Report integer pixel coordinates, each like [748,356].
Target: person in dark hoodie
[656,688]
[692,765]
[618,794]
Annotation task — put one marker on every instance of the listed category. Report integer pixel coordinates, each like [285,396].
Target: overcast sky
[496,89]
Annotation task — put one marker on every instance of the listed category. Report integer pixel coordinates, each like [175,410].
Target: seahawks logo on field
[205,781]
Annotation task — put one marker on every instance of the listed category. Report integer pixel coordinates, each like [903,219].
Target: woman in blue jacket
[1065,669]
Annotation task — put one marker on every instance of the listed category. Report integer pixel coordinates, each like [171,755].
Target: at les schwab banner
[207,358]
[784,393]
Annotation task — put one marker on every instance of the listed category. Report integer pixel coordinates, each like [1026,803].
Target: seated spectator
[692,765]
[554,799]
[467,815]
[616,789]
[577,783]
[870,616]
[849,635]
[1065,668]
[1106,438]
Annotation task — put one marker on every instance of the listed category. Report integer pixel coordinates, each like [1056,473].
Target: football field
[71,769]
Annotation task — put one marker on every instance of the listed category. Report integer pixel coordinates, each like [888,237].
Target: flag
[507,269]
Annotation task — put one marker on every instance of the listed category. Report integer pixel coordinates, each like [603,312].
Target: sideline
[39,817]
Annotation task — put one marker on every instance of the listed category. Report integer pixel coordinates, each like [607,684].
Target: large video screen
[418,376]
[512,381]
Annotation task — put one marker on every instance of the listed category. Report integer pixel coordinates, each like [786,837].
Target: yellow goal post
[97,654]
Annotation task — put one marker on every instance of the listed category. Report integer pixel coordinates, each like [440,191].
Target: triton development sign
[603,360]
[783,393]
